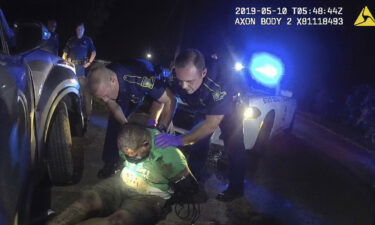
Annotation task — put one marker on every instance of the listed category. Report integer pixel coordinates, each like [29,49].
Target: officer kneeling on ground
[138,195]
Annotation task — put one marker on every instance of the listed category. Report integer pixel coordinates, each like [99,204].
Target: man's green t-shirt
[153,175]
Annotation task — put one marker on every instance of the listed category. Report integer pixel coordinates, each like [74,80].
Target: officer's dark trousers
[110,151]
[80,70]
[232,135]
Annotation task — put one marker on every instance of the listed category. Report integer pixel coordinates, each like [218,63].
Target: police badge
[218,95]
[148,82]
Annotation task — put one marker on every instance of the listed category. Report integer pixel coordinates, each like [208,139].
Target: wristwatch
[161,128]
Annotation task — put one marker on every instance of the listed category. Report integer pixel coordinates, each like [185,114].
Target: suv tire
[64,166]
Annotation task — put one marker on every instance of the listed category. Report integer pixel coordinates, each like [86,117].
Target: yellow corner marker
[365,18]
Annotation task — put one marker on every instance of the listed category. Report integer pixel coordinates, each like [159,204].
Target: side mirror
[29,36]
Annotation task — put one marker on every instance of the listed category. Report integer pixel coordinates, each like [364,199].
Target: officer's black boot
[235,188]
[108,170]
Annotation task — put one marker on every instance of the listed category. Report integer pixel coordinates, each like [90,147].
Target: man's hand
[65,56]
[86,64]
[90,60]
[165,140]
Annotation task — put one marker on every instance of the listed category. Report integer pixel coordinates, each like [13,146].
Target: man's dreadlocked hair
[134,134]
[133,137]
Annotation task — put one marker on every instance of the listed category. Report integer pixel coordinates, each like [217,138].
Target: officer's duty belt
[77,61]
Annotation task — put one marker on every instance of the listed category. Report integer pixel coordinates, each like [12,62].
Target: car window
[27,37]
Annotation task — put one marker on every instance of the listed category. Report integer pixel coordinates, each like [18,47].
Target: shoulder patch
[215,89]
[143,81]
[148,82]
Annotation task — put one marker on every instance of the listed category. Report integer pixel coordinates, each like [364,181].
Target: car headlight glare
[251,113]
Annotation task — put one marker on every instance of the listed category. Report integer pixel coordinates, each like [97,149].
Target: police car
[264,116]
[266,110]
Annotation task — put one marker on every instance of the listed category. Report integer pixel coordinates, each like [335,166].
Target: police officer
[52,44]
[210,96]
[80,50]
[123,87]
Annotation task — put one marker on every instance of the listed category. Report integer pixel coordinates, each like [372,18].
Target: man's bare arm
[91,59]
[116,111]
[92,56]
[156,109]
[164,107]
[203,130]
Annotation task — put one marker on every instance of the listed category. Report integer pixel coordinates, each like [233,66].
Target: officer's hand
[86,64]
[151,122]
[165,140]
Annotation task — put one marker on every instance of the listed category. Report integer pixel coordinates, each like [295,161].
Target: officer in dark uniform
[80,50]
[123,87]
[210,96]
[52,45]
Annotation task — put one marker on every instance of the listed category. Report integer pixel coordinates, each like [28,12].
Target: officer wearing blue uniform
[123,87]
[210,95]
[80,50]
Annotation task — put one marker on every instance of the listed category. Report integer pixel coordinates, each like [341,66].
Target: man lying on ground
[148,179]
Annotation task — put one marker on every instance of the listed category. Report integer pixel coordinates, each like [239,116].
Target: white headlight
[248,114]
[251,113]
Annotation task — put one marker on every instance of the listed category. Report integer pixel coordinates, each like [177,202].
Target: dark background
[316,57]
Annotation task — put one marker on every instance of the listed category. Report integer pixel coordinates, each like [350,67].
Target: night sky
[335,58]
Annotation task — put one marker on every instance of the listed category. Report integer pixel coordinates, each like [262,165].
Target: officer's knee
[120,217]
[90,200]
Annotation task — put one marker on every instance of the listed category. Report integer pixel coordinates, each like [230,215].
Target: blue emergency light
[266,69]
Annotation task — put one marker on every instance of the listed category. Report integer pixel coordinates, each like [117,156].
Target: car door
[15,131]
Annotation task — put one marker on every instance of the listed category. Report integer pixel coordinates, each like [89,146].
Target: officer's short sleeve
[91,45]
[220,107]
[220,98]
[173,163]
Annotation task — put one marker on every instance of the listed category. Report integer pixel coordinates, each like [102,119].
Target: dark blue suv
[40,111]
